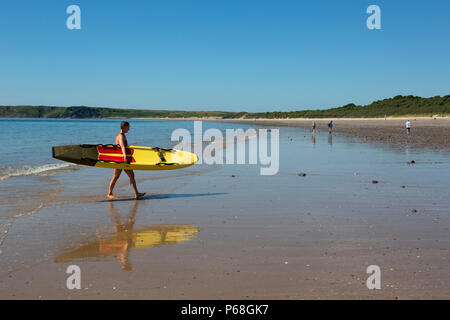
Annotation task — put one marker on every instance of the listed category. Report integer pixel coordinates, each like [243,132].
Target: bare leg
[130,174]
[112,184]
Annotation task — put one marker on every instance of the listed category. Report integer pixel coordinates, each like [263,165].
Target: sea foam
[27,170]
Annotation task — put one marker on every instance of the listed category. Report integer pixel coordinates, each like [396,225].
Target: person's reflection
[407,151]
[118,244]
[330,139]
[313,138]
[125,238]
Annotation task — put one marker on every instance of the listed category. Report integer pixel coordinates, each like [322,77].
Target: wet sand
[426,133]
[225,232]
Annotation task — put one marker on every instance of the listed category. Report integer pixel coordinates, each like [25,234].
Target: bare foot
[111,197]
[139,195]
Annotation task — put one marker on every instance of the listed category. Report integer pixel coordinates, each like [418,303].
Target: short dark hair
[124,124]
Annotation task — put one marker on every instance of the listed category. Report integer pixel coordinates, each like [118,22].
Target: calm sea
[26,146]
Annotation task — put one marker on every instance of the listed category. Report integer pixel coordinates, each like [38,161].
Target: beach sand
[428,133]
[248,236]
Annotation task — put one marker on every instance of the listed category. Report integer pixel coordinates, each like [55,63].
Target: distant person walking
[313,127]
[408,126]
[330,126]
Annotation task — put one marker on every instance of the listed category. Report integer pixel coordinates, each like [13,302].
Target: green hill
[82,112]
[392,107]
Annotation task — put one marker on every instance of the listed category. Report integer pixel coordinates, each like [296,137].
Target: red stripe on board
[113,150]
[104,157]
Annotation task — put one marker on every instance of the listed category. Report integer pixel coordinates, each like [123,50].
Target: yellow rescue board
[139,158]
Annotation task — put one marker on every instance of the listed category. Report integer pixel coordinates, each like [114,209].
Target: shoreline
[432,133]
[287,120]
[426,133]
[411,117]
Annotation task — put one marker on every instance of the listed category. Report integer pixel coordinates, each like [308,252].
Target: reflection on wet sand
[119,243]
[330,139]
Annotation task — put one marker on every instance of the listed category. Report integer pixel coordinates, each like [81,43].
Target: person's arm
[122,147]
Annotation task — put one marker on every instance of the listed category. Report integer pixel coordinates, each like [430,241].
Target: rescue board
[111,156]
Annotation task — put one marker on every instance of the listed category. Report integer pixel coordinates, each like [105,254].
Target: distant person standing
[408,126]
[313,127]
[330,126]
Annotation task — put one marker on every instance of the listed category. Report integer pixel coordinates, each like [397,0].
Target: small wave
[17,171]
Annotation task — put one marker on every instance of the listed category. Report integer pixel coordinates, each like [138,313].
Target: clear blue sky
[222,55]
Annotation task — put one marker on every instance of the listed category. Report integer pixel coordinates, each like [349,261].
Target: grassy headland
[83,112]
[392,107]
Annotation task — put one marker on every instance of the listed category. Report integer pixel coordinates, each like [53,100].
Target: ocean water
[26,143]
[27,169]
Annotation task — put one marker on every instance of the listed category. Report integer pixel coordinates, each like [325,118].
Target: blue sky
[222,55]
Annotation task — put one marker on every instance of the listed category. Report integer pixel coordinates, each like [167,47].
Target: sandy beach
[426,132]
[226,232]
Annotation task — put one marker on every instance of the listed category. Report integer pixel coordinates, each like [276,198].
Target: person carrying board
[121,140]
